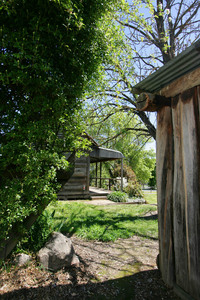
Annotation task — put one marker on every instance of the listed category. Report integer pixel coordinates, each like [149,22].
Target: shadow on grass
[143,285]
[105,221]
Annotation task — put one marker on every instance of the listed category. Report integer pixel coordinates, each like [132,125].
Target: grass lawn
[105,223]
[150,197]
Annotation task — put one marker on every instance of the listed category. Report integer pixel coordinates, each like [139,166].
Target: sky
[151,145]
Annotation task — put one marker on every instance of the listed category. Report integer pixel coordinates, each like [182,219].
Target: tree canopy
[152,33]
[50,50]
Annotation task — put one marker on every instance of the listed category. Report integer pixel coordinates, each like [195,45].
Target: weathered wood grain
[178,186]
[186,192]
[164,168]
[78,184]
[180,232]
[181,84]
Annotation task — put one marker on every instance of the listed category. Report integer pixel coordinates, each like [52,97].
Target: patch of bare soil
[125,269]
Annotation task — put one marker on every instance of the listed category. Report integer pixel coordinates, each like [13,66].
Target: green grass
[106,223]
[150,197]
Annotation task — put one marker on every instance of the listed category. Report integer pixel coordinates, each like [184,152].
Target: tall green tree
[152,33]
[50,49]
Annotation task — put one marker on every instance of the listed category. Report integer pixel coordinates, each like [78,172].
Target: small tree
[49,51]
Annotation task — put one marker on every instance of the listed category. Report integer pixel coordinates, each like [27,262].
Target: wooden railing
[99,181]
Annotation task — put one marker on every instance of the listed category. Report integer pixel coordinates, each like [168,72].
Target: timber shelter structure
[78,186]
[174,92]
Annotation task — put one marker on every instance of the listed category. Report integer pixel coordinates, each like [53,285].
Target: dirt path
[121,258]
[125,269]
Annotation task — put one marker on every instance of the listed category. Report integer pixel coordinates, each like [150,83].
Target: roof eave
[184,63]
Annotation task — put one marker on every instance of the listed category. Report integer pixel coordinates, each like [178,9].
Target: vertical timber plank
[186,191]
[164,167]
[181,262]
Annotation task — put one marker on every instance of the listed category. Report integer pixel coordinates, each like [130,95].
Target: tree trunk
[150,127]
[7,245]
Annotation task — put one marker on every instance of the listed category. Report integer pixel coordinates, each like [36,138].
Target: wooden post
[100,173]
[151,102]
[96,173]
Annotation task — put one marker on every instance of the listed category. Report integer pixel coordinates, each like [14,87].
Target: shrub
[152,180]
[133,189]
[117,196]
[37,235]
[127,172]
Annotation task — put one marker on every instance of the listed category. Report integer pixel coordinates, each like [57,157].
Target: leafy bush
[152,180]
[38,234]
[133,189]
[117,196]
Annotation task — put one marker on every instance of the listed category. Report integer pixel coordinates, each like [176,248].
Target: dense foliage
[134,189]
[49,51]
[38,235]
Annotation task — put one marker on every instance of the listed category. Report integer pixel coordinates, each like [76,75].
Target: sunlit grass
[106,223]
[150,197]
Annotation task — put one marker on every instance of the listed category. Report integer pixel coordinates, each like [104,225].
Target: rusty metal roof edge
[192,52]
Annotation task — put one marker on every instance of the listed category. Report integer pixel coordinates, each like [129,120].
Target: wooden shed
[174,92]
[78,186]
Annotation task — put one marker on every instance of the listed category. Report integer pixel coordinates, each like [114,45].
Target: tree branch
[142,130]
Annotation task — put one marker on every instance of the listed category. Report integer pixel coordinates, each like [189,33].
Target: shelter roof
[184,63]
[98,153]
[102,154]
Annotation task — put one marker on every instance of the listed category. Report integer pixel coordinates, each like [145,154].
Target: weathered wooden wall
[77,187]
[178,182]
